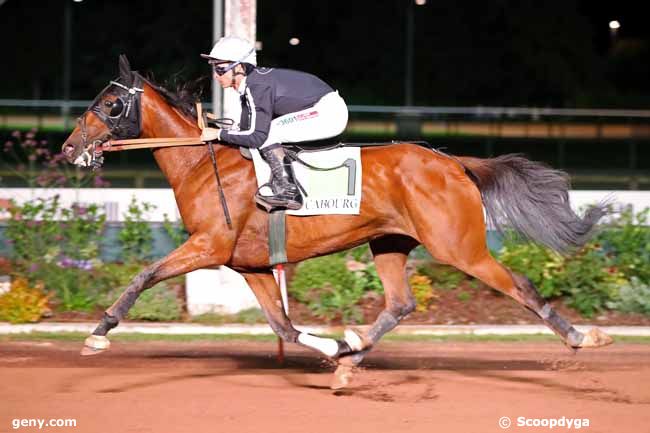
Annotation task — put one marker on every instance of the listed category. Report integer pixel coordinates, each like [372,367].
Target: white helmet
[233,49]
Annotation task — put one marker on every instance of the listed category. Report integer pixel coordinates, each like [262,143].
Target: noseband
[123,121]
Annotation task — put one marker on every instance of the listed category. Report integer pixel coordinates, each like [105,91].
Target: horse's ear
[125,70]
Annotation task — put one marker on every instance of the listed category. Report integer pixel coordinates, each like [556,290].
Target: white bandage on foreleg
[353,340]
[326,345]
[97,342]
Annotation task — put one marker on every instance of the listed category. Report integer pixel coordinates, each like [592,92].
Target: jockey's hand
[210,134]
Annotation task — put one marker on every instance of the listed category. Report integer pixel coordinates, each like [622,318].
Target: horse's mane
[184,97]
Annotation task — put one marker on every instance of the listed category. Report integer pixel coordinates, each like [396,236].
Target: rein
[148,143]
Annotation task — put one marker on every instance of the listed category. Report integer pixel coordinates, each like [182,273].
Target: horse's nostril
[67,149]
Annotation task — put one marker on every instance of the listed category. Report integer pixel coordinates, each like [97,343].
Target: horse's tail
[533,199]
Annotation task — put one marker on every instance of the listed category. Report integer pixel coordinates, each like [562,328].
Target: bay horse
[412,195]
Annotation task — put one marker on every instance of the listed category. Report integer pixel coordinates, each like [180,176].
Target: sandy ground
[403,387]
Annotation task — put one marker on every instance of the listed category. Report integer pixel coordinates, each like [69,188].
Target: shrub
[627,242]
[175,230]
[369,279]
[250,315]
[586,279]
[442,276]
[136,236]
[81,230]
[157,303]
[328,288]
[422,291]
[360,254]
[633,297]
[76,286]
[43,232]
[539,264]
[117,277]
[23,303]
[34,231]
[589,281]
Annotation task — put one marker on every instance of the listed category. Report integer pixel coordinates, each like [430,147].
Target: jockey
[278,106]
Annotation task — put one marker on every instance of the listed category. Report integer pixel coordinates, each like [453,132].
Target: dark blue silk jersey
[271,93]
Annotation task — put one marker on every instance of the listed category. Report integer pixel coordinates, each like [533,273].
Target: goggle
[116,107]
[221,70]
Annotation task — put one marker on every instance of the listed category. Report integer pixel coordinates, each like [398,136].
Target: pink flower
[79,209]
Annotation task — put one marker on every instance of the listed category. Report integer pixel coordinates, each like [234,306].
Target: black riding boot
[286,194]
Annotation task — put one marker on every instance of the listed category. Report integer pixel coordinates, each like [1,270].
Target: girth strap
[277,238]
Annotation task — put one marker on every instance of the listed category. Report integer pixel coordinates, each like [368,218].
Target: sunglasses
[221,70]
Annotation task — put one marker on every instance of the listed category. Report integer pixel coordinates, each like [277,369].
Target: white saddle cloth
[333,192]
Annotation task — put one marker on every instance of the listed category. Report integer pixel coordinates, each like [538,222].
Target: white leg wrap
[326,345]
[353,340]
[98,342]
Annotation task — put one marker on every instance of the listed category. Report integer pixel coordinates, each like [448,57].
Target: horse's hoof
[342,377]
[595,338]
[94,345]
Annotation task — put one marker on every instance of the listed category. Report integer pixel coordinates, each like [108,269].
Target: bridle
[123,121]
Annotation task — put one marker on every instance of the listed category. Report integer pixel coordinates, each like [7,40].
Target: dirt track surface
[403,387]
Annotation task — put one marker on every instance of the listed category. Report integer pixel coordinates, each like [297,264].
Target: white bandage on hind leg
[326,345]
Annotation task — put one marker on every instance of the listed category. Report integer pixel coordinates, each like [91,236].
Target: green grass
[248,316]
[79,337]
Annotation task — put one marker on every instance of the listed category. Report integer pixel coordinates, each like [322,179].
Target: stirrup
[278,201]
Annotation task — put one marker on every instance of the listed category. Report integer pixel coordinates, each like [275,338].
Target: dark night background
[510,53]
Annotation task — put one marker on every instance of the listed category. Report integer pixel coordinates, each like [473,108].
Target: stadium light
[614,25]
[294,41]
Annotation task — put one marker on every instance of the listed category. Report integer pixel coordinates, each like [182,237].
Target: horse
[412,195]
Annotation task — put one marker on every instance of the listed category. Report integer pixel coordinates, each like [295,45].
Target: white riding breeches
[327,118]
